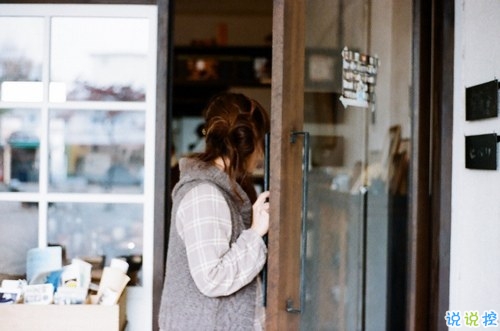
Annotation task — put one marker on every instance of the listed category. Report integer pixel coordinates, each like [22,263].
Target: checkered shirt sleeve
[203,221]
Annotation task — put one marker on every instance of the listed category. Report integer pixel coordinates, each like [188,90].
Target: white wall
[475,223]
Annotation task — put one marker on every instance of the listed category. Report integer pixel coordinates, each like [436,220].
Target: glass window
[21,51]
[98,232]
[88,57]
[97,151]
[19,149]
[18,234]
[77,138]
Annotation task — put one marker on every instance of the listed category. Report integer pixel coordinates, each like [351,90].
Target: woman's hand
[260,220]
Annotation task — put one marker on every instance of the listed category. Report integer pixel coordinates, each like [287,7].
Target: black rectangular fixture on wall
[481,151]
[481,101]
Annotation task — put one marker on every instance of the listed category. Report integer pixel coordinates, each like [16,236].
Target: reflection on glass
[96,151]
[21,50]
[334,264]
[18,234]
[99,59]
[19,149]
[358,189]
[98,232]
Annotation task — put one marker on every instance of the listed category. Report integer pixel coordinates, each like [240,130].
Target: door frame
[287,98]
[431,169]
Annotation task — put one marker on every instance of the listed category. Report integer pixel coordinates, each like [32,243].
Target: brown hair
[235,127]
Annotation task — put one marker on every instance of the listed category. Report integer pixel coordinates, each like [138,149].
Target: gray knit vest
[183,306]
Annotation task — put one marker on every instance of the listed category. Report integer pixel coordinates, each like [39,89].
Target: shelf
[201,72]
[242,66]
[224,50]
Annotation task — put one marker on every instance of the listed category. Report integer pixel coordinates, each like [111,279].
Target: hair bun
[241,136]
[235,129]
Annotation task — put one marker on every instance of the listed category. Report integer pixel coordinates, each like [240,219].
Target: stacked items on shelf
[48,282]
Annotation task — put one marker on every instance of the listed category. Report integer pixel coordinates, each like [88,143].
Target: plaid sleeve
[203,221]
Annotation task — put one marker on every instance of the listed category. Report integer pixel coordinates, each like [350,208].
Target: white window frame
[140,298]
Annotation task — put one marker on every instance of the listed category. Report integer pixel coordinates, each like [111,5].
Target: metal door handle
[290,307]
[267,163]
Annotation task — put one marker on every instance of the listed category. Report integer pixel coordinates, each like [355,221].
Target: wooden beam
[285,168]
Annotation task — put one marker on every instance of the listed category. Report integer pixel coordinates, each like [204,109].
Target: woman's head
[235,127]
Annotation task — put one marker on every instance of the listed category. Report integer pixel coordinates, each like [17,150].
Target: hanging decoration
[359,75]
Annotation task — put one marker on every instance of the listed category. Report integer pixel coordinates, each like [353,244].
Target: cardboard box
[25,317]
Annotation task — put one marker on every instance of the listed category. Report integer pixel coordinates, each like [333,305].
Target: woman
[216,250]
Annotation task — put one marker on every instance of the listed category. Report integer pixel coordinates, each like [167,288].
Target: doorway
[352,268]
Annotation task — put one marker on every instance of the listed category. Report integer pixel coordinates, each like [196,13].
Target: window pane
[21,50]
[96,151]
[99,59]
[19,149]
[95,231]
[18,234]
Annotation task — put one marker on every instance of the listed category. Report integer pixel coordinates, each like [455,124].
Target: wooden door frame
[431,169]
[162,150]
[286,116]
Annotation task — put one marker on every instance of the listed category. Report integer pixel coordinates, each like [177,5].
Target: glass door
[356,111]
